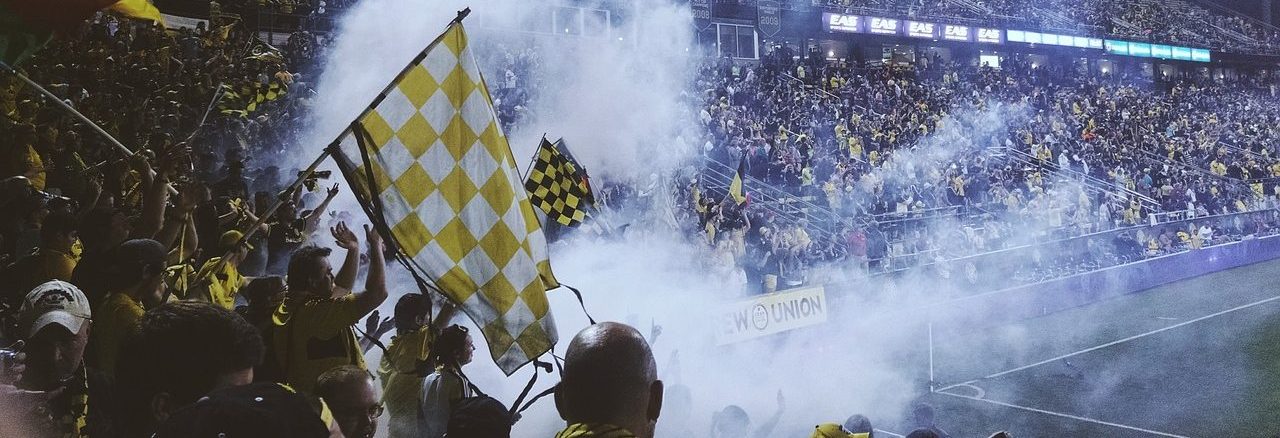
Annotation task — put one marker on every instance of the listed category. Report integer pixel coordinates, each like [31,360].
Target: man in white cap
[55,320]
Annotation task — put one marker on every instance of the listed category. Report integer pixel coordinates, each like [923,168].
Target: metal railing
[1089,182]
[1033,258]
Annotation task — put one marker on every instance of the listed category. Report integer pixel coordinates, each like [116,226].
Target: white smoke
[619,104]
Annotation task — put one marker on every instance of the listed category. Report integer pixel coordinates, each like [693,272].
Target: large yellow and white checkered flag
[430,162]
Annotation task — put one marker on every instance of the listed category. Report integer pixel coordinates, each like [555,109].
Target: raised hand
[344,237]
[374,238]
[333,191]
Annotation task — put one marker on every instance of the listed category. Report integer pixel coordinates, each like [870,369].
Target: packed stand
[939,161]
[132,303]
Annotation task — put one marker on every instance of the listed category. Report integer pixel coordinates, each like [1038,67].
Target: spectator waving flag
[248,97]
[736,190]
[557,184]
[26,25]
[431,165]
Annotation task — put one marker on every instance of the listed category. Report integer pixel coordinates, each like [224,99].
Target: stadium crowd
[132,306]
[893,149]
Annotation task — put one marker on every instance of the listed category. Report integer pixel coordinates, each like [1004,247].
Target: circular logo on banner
[760,317]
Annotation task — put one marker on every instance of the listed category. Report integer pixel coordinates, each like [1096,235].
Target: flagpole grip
[58,101]
[462,15]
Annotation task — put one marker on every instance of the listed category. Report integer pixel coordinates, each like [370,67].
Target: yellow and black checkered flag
[558,186]
[246,98]
[431,166]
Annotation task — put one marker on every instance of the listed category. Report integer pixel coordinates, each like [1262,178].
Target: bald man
[610,386]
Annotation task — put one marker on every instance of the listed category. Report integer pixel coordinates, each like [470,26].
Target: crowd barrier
[1022,302]
[981,299]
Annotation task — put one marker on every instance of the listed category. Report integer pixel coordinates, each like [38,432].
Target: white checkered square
[480,165]
[396,109]
[479,266]
[439,110]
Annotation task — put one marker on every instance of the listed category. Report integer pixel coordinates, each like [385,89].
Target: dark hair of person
[182,348]
[451,340]
[302,271]
[58,224]
[407,310]
[330,384]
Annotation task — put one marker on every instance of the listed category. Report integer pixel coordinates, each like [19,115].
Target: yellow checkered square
[460,134]
[379,130]
[416,135]
[498,192]
[418,86]
[414,184]
[456,240]
[459,189]
[411,234]
[500,293]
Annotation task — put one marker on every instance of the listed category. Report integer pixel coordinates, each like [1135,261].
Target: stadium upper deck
[1173,22]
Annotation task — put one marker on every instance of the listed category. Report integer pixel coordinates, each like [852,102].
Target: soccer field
[1194,358]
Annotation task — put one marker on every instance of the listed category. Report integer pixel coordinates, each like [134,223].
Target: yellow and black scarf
[595,430]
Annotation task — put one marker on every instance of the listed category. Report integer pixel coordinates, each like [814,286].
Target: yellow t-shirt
[401,383]
[42,266]
[24,161]
[115,317]
[315,337]
[223,286]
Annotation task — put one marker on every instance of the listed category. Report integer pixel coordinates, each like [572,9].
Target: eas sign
[920,29]
[840,22]
[956,33]
[883,26]
[989,35]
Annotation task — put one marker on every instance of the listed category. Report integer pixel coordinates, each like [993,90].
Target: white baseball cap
[55,302]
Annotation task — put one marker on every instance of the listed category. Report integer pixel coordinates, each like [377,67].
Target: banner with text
[180,22]
[773,313]
[768,17]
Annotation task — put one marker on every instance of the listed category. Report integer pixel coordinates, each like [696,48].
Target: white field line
[1138,336]
[1059,414]
[1116,342]
[880,431]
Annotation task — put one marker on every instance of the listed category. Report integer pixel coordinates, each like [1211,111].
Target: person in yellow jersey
[136,285]
[220,282]
[20,157]
[54,260]
[312,330]
[405,362]
[830,430]
[609,387]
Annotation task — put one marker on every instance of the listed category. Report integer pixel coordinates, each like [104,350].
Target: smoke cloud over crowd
[624,105]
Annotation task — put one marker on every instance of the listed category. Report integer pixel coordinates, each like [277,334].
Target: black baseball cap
[257,410]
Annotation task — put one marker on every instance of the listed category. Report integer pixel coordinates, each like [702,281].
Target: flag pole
[218,94]
[65,106]
[302,176]
[533,160]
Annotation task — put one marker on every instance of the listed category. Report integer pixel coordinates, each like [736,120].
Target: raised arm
[313,220]
[766,428]
[154,200]
[347,240]
[375,284]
